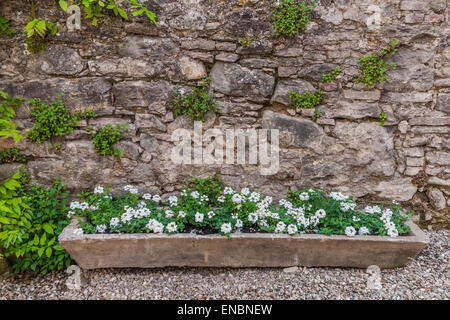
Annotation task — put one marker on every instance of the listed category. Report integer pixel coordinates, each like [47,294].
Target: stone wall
[125,70]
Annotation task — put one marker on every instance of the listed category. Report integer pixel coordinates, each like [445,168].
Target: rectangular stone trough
[148,250]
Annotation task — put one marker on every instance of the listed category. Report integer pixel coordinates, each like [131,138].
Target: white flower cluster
[388,224]
[372,210]
[173,201]
[131,189]
[225,228]
[346,206]
[338,196]
[99,190]
[155,226]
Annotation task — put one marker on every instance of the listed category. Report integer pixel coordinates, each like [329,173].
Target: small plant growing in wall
[246,41]
[328,77]
[382,119]
[94,9]
[50,121]
[37,31]
[291,16]
[374,68]
[4,26]
[85,115]
[8,129]
[105,139]
[195,104]
[12,155]
[308,100]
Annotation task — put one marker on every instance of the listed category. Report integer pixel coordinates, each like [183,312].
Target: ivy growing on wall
[195,104]
[374,68]
[292,16]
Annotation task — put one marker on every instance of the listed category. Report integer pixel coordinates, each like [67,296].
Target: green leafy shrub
[4,26]
[50,121]
[85,115]
[195,104]
[105,139]
[31,236]
[15,214]
[382,119]
[12,155]
[8,129]
[374,68]
[308,100]
[36,31]
[211,187]
[304,211]
[291,16]
[328,77]
[94,9]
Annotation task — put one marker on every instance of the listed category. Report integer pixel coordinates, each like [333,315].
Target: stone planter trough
[147,250]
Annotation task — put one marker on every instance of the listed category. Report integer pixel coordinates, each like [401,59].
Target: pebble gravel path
[427,277]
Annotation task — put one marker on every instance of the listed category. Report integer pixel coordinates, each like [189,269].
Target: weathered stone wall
[126,70]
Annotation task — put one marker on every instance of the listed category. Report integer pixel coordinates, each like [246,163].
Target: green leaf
[48,228]
[63,5]
[48,252]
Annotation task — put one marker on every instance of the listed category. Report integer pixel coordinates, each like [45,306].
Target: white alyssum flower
[253,217]
[234,216]
[173,201]
[372,210]
[93,208]
[225,228]
[181,214]
[221,199]
[172,227]
[228,190]
[211,214]
[254,197]
[70,213]
[101,228]
[114,222]
[280,227]
[314,220]
[78,232]
[245,191]
[285,203]
[363,231]
[237,198]
[392,232]
[350,231]
[338,196]
[99,190]
[239,224]
[321,213]
[155,226]
[183,193]
[147,196]
[195,194]
[346,206]
[304,196]
[156,198]
[268,199]
[131,189]
[356,219]
[292,229]
[199,217]
[126,217]
[204,198]
[169,214]
[263,223]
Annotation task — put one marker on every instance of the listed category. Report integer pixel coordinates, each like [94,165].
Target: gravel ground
[427,277]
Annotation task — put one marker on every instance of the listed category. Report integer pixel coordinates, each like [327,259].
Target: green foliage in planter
[328,77]
[211,187]
[374,68]
[50,121]
[308,100]
[12,155]
[85,115]
[382,119]
[105,139]
[94,9]
[8,129]
[32,234]
[36,31]
[246,41]
[304,211]
[291,16]
[195,104]
[4,26]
